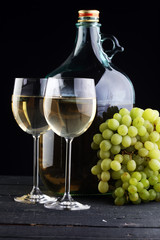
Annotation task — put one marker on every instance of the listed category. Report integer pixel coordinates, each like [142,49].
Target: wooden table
[103,221]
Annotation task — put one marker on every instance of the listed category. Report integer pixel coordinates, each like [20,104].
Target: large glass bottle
[114,90]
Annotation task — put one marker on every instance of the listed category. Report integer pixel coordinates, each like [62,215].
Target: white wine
[28,112]
[69,116]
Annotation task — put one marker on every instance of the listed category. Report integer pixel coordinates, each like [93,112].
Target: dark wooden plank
[70,232]
[102,214]
[13,190]
[17,180]
[12,180]
[104,219]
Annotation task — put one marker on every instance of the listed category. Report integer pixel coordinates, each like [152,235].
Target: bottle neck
[89,37]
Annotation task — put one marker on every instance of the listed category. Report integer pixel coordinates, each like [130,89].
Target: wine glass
[27,107]
[69,109]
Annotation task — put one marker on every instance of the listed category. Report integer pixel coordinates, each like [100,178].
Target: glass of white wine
[27,107]
[69,109]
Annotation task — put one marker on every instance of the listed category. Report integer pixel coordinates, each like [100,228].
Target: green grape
[157,197]
[150,127]
[94,146]
[142,131]
[144,194]
[115,165]
[149,145]
[105,145]
[154,164]
[152,194]
[126,141]
[133,197]
[119,192]
[149,115]
[97,138]
[139,186]
[96,169]
[133,141]
[144,175]
[122,130]
[133,181]
[155,146]
[158,127]
[136,112]
[138,145]
[126,120]
[143,152]
[157,121]
[103,126]
[145,137]
[140,168]
[99,176]
[115,149]
[125,177]
[105,165]
[158,177]
[145,183]
[137,175]
[119,201]
[105,176]
[154,136]
[148,172]
[158,143]
[118,183]
[113,124]
[117,174]
[156,173]
[154,153]
[126,158]
[157,187]
[103,187]
[117,116]
[156,113]
[132,131]
[131,165]
[124,111]
[138,122]
[107,134]
[153,180]
[132,189]
[138,159]
[99,162]
[104,155]
[116,139]
[124,168]
[118,158]
[137,202]
[98,153]
[125,185]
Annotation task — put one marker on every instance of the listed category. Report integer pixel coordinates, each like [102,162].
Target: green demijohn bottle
[114,90]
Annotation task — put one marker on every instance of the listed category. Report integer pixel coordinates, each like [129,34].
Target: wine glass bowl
[69,109]
[27,107]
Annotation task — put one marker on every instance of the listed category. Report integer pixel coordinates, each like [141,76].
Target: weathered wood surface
[103,221]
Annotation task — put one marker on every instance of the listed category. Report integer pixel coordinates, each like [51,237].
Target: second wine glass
[69,108]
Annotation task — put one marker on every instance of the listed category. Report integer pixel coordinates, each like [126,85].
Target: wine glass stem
[67,196]
[35,189]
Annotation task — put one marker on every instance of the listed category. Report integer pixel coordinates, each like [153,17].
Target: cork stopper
[88,16]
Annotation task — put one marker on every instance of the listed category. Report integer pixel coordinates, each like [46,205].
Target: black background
[36,37]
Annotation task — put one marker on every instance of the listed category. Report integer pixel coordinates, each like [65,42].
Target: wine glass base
[33,199]
[66,205]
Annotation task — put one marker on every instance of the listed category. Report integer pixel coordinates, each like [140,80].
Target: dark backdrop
[37,37]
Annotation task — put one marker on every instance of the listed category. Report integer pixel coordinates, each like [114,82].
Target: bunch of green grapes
[129,156]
